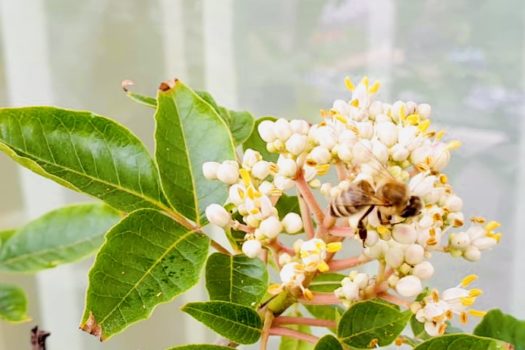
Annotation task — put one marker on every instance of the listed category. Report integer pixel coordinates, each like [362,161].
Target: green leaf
[418,328]
[200,347]
[147,259]
[13,304]
[189,133]
[235,322]
[237,279]
[287,204]
[326,312]
[5,235]
[61,236]
[256,143]
[504,327]
[241,126]
[84,152]
[461,341]
[326,282]
[288,343]
[369,320]
[328,342]
[142,99]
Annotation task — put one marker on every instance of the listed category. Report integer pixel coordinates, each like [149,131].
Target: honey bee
[391,198]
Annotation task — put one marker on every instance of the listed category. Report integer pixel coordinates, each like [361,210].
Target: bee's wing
[377,165]
[358,196]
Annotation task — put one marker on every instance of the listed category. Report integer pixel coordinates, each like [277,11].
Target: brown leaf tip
[126,84]
[168,85]
[38,338]
[92,327]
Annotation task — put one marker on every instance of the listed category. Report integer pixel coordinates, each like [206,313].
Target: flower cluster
[436,309]
[360,141]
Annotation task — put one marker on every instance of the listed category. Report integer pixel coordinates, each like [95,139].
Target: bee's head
[413,207]
[394,193]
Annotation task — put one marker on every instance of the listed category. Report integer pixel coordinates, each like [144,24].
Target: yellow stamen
[495,236]
[492,225]
[353,129]
[308,294]
[453,145]
[431,241]
[241,193]
[245,176]
[468,301]
[463,317]
[349,84]
[478,219]
[254,211]
[435,295]
[477,313]
[449,314]
[375,87]
[424,125]
[274,168]
[365,81]
[413,119]
[355,103]
[274,288]
[468,280]
[476,292]
[383,230]
[457,223]
[322,169]
[252,193]
[440,134]
[373,343]
[341,118]
[443,178]
[399,341]
[442,329]
[323,267]
[276,192]
[402,113]
[334,247]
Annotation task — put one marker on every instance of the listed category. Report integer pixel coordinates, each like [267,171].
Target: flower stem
[342,231]
[395,300]
[321,299]
[268,320]
[306,217]
[343,264]
[304,320]
[287,332]
[218,247]
[309,198]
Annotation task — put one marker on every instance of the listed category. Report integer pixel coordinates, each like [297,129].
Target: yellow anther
[424,125]
[478,219]
[241,193]
[383,230]
[435,296]
[443,178]
[440,134]
[457,223]
[476,292]
[449,314]
[315,183]
[495,236]
[308,294]
[353,129]
[299,267]
[324,113]
[468,280]
[477,313]
[373,343]
[399,341]
[340,118]
[442,329]
[436,217]
[431,241]
[402,112]
[468,301]
[349,84]
[355,103]
[322,169]
[254,211]
[274,288]
[463,317]
[245,176]
[365,81]
[413,119]
[323,267]
[375,87]
[252,193]
[334,247]
[274,168]
[453,145]
[492,225]
[276,192]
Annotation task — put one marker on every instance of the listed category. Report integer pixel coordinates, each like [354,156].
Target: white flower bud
[414,254]
[404,233]
[292,223]
[423,270]
[419,154]
[266,187]
[472,254]
[454,203]
[399,108]
[362,151]
[217,215]
[399,153]
[265,129]
[320,155]
[350,291]
[271,227]
[250,157]
[236,194]
[326,137]
[484,243]
[261,169]
[284,258]
[209,169]
[475,232]
[440,158]
[409,286]
[287,166]
[387,133]
[281,129]
[291,274]
[407,136]
[459,240]
[347,136]
[424,110]
[394,257]
[267,207]
[299,126]
[344,152]
[366,130]
[375,108]
[380,151]
[325,189]
[411,107]
[342,107]
[251,248]
[361,279]
[371,238]
[283,183]
[296,144]
[377,250]
[228,172]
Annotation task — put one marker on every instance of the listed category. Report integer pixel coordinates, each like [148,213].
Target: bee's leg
[383,219]
[361,226]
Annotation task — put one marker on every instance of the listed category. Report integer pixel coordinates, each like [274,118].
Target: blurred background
[282,58]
